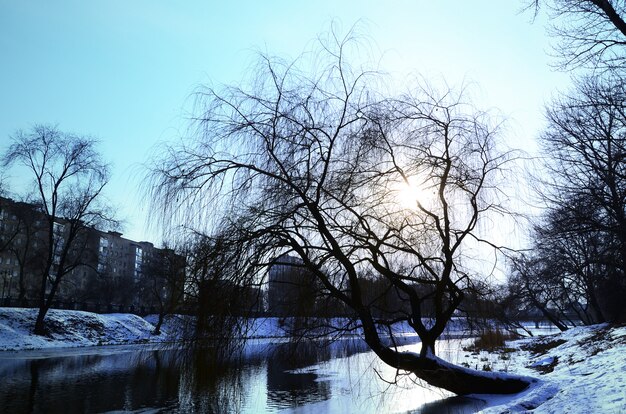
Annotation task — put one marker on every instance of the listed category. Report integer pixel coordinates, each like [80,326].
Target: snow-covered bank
[71,329]
[582,371]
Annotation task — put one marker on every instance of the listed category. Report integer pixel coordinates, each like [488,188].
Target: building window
[104,244]
[138,260]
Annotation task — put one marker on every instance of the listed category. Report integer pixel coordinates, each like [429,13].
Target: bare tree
[318,166]
[592,32]
[535,286]
[69,177]
[565,274]
[163,282]
[223,288]
[584,186]
[584,229]
[107,286]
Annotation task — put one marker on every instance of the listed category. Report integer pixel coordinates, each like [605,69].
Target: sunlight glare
[409,194]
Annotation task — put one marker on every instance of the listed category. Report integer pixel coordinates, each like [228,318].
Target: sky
[124,71]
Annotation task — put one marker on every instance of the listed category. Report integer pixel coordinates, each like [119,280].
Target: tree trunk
[463,381]
[157,328]
[596,311]
[22,280]
[439,373]
[548,315]
[39,322]
[45,303]
[428,346]
[456,379]
[22,289]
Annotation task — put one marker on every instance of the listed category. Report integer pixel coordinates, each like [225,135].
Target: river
[274,377]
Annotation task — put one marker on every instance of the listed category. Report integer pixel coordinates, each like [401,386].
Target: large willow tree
[359,186]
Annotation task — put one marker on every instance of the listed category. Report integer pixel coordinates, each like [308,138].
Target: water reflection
[94,383]
[452,405]
[272,378]
[286,388]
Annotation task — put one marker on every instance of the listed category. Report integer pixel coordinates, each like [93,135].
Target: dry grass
[492,340]
[542,346]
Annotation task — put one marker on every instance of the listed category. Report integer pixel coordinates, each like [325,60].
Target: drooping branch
[310,166]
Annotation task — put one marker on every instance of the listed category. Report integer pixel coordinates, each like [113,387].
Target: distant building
[22,235]
[120,256]
[292,289]
[109,267]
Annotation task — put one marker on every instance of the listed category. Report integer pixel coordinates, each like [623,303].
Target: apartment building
[106,267]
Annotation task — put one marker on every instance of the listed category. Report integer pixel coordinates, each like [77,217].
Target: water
[273,378]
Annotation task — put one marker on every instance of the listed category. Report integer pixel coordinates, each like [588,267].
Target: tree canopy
[68,175]
[318,163]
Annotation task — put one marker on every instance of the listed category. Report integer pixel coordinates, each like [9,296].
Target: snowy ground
[581,371]
[70,329]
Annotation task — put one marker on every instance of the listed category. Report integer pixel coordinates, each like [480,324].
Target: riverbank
[581,370]
[70,329]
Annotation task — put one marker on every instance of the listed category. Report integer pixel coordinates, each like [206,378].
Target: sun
[410,194]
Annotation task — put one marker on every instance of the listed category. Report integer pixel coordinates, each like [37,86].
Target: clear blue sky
[123,70]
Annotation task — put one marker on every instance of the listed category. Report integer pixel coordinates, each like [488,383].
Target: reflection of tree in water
[211,386]
[177,380]
[186,381]
[456,405]
[286,387]
[34,382]
[214,386]
[153,382]
[92,383]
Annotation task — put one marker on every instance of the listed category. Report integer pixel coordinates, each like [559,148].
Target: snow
[72,329]
[544,362]
[581,370]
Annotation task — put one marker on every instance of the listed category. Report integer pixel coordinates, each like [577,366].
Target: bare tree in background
[582,236]
[163,282]
[316,164]
[575,263]
[7,234]
[534,283]
[584,185]
[592,32]
[107,286]
[224,289]
[69,176]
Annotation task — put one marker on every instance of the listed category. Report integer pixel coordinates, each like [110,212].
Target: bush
[491,340]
